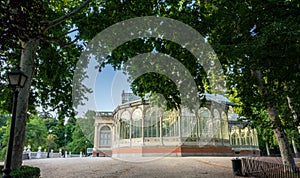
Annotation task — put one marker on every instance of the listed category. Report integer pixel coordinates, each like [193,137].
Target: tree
[4,132]
[37,133]
[259,43]
[79,140]
[86,125]
[32,32]
[116,11]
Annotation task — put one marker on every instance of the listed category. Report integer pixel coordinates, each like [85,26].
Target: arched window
[137,123]
[188,122]
[169,123]
[243,137]
[125,125]
[105,135]
[152,123]
[225,133]
[234,136]
[246,135]
[205,122]
[255,139]
[217,124]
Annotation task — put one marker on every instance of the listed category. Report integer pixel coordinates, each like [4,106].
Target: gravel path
[89,167]
[98,167]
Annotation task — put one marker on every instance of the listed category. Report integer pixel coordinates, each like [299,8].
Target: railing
[103,114]
[43,155]
[40,155]
[257,168]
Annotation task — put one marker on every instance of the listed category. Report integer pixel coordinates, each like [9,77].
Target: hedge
[24,172]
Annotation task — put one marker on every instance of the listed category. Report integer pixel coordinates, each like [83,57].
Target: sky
[108,88]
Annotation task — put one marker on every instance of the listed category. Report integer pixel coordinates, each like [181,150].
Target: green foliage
[29,28]
[79,141]
[87,125]
[255,35]
[3,122]
[82,133]
[260,36]
[25,172]
[113,12]
[36,133]
[4,132]
[79,135]
[55,58]
[54,78]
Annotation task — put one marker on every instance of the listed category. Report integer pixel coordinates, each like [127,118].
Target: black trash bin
[97,154]
[237,166]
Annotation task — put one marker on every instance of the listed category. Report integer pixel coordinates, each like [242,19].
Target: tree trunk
[295,148]
[294,110]
[27,66]
[267,148]
[285,150]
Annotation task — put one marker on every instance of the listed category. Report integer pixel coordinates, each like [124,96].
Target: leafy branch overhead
[32,36]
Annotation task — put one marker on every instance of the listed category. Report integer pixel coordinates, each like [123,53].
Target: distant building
[128,97]
[135,127]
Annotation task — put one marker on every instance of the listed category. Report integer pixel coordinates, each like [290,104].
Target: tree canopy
[259,44]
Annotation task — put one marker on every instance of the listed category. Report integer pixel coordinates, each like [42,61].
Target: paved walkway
[208,167]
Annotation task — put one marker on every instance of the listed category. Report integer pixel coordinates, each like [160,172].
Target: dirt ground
[98,167]
[213,167]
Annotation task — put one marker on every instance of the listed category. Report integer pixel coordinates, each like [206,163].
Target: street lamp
[65,145]
[17,80]
[48,155]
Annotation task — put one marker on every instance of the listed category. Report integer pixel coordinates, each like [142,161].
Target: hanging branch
[65,17]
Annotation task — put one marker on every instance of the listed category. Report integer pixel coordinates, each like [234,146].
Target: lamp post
[48,155]
[65,155]
[17,80]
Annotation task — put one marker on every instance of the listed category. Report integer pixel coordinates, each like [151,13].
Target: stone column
[39,152]
[230,135]
[179,125]
[221,130]
[240,138]
[197,125]
[119,132]
[212,114]
[160,130]
[157,126]
[29,151]
[130,130]
[256,137]
[96,136]
[59,152]
[143,124]
[112,137]
[248,137]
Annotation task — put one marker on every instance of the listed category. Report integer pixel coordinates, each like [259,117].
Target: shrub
[24,172]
